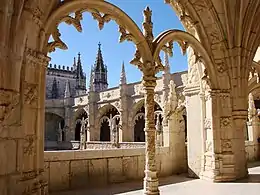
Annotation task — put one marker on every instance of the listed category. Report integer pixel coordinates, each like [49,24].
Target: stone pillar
[151,180]
[68,123]
[224,157]
[31,147]
[194,130]
[125,134]
[92,134]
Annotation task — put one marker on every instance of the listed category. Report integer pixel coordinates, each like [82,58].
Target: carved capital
[36,58]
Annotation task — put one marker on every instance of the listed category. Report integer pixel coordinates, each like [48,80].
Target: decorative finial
[91,78]
[166,63]
[123,75]
[67,90]
[148,26]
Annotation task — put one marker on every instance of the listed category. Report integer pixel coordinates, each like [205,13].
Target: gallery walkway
[181,185]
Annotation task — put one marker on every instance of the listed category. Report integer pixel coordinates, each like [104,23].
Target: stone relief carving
[8,101]
[30,93]
[139,89]
[207,123]
[209,146]
[29,148]
[226,145]
[172,103]
[225,122]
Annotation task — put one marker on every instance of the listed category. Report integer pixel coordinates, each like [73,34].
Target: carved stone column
[92,135]
[31,148]
[125,134]
[151,180]
[68,123]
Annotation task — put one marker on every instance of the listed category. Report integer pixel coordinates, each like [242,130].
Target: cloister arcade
[221,41]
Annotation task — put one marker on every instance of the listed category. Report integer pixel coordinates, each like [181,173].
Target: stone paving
[181,185]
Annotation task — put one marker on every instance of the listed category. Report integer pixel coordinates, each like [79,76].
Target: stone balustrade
[67,170]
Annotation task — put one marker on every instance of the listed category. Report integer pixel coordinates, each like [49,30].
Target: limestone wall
[86,169]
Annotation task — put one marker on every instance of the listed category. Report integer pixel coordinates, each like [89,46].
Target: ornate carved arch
[185,40]
[127,27]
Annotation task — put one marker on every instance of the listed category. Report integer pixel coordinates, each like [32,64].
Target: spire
[91,87]
[123,75]
[166,63]
[99,64]
[79,70]
[99,72]
[54,89]
[67,89]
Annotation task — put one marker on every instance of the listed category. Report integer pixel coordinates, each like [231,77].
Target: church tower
[99,73]
[80,77]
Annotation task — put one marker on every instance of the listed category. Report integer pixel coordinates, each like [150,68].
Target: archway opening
[54,125]
[105,123]
[83,114]
[139,121]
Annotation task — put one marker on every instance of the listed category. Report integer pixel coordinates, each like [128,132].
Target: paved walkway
[181,185]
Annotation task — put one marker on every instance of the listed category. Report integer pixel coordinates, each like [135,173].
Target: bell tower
[99,73]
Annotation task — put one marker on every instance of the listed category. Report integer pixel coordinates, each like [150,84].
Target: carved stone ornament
[124,35]
[8,101]
[225,122]
[207,123]
[226,145]
[209,146]
[29,148]
[30,93]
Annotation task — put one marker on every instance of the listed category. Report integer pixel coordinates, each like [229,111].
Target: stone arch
[52,124]
[128,28]
[185,41]
[105,114]
[78,115]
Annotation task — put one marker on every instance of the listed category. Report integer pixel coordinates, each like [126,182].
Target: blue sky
[114,53]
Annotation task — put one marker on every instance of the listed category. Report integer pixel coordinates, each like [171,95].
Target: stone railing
[109,145]
[66,170]
[92,145]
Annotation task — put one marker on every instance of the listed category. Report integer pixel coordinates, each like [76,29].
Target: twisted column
[151,180]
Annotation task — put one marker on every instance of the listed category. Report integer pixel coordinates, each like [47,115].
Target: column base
[151,183]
